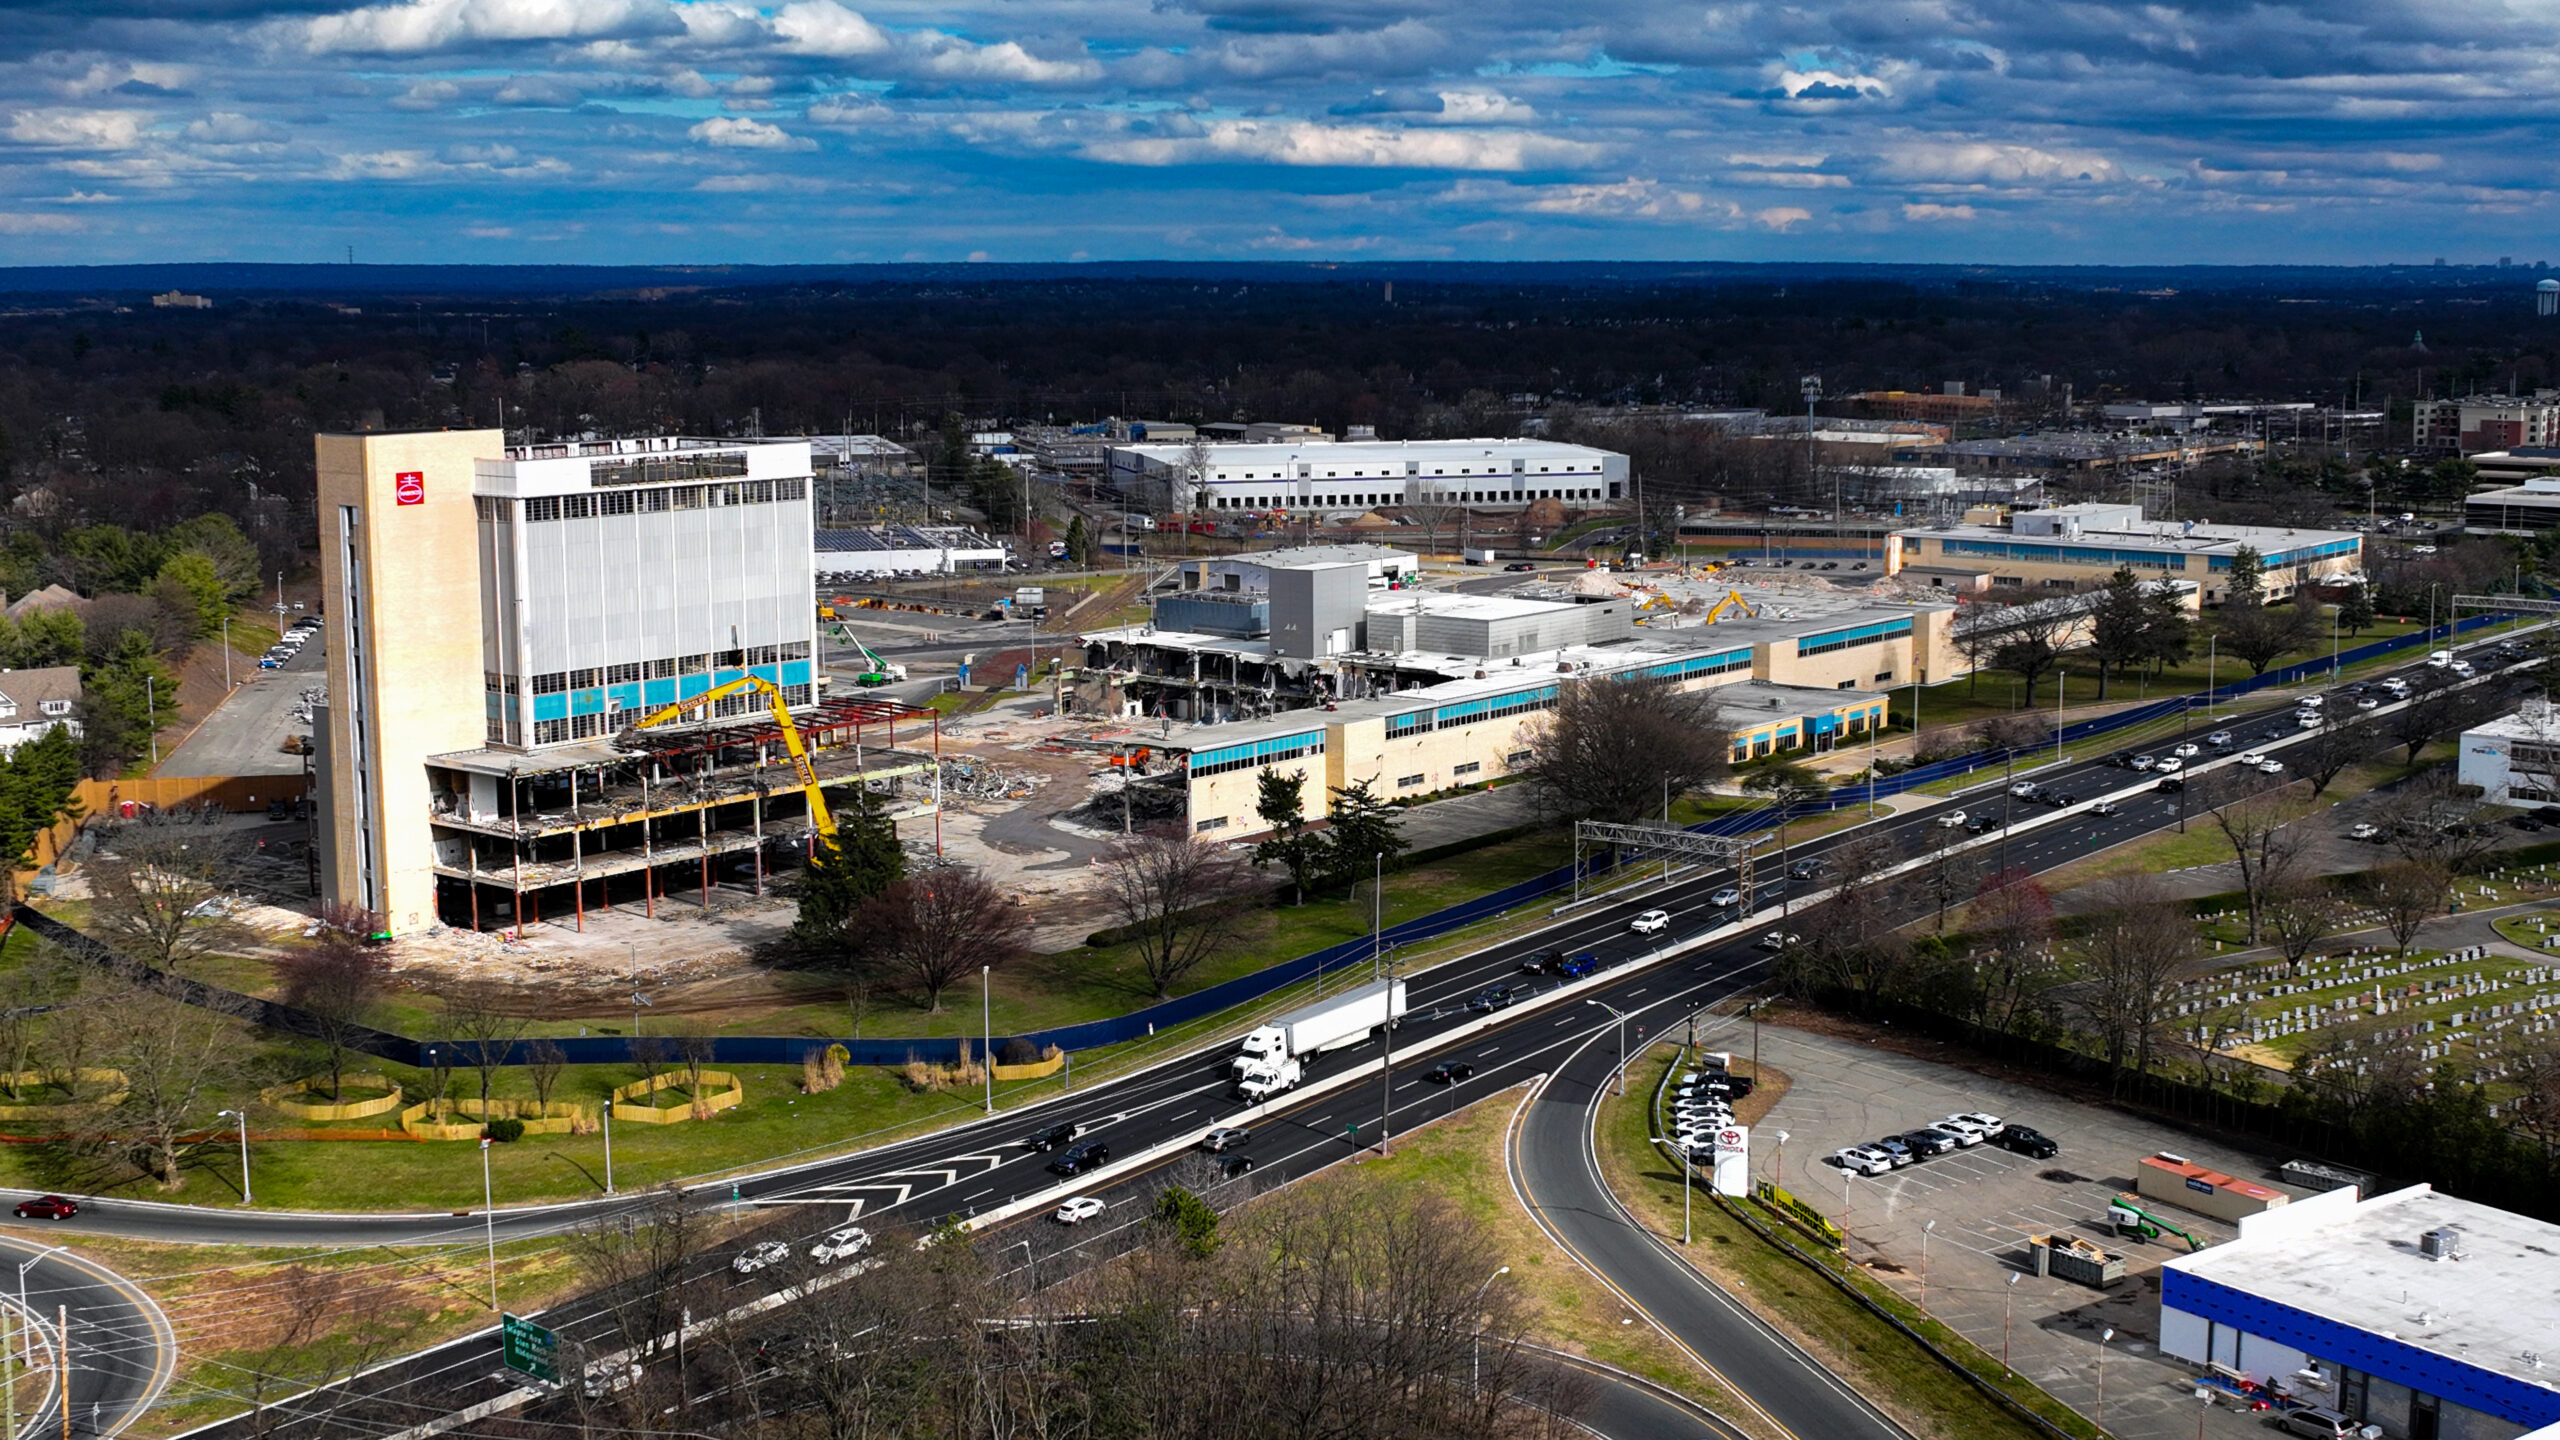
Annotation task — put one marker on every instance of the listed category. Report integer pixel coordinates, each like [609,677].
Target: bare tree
[307,1329]
[642,1266]
[2328,751]
[2135,951]
[161,895]
[2012,916]
[696,1051]
[1611,747]
[2409,893]
[1852,941]
[176,1058]
[1178,896]
[482,1023]
[2532,1065]
[543,1063]
[1952,873]
[933,929]
[336,982]
[1433,509]
[2437,819]
[2300,913]
[2256,821]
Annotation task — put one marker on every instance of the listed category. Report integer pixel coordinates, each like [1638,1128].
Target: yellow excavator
[1732,601]
[791,741]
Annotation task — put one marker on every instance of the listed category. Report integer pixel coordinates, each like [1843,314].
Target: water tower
[2546,297]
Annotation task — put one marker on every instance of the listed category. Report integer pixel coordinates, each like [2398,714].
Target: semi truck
[1273,1057]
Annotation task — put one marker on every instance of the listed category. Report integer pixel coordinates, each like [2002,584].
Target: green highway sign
[529,1348]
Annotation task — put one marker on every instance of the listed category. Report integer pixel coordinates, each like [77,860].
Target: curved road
[122,1351]
[982,1167]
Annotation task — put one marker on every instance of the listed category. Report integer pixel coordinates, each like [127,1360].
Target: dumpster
[2068,1257]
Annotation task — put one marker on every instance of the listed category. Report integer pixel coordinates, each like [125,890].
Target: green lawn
[1879,1361]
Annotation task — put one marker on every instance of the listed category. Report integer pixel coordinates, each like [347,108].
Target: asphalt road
[981,1167]
[122,1351]
[245,734]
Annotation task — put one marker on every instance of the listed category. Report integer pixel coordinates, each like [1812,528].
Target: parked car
[1225,1137]
[2026,1140]
[1898,1152]
[48,1207]
[1862,1160]
[1450,1072]
[841,1245]
[1928,1141]
[1653,922]
[1986,1123]
[1966,1132]
[1082,1158]
[1078,1210]
[759,1255]
[1490,999]
[2319,1422]
[1517,566]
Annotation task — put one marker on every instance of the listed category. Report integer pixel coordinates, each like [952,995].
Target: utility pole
[987,1020]
[489,1221]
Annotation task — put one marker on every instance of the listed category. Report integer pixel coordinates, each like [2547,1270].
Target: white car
[1778,940]
[2218,737]
[2311,702]
[2187,750]
[2462,668]
[1651,922]
[2144,762]
[1729,895]
[2270,767]
[1952,819]
[2364,832]
[2251,758]
[2306,719]
[1862,1160]
[2171,765]
[2105,807]
[1079,1210]
[1966,1132]
[1989,1124]
[841,1245]
[2023,789]
[2368,703]
[759,1255]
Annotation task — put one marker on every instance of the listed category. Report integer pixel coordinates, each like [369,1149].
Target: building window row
[658,469]
[1843,639]
[671,497]
[1460,497]
[1256,754]
[557,681]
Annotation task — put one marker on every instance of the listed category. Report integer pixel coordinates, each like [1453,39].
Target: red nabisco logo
[410,487]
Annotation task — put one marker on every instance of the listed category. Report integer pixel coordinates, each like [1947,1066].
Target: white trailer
[1474,556]
[1329,1024]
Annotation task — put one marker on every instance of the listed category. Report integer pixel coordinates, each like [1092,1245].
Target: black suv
[1491,998]
[1052,1137]
[1545,962]
[1082,1158]
[2026,1140]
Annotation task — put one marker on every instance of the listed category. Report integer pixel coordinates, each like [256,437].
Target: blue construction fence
[1303,969]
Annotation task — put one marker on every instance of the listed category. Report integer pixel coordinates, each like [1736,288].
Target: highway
[981,1169]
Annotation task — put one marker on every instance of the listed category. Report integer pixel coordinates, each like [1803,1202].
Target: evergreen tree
[1362,828]
[2355,613]
[2248,576]
[1079,544]
[866,861]
[2117,626]
[1281,804]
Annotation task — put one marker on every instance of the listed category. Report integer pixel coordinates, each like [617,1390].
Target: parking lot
[245,734]
[1974,1209]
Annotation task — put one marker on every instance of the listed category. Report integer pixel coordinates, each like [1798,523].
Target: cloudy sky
[2347,131]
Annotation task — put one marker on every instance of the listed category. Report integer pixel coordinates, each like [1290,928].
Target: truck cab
[1261,1082]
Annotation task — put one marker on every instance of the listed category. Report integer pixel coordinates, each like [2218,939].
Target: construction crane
[2126,1213]
[876,671]
[791,741]
[1732,601]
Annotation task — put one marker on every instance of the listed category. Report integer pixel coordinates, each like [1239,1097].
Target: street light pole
[489,1221]
[1387,1068]
[1476,1386]
[987,1024]
[1782,1159]
[2101,1416]
[1622,1042]
[244,1151]
[2008,1301]
[1925,1232]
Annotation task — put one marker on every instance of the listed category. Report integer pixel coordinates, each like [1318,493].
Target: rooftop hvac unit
[2442,1243]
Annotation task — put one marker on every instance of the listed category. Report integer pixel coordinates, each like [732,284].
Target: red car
[48,1207]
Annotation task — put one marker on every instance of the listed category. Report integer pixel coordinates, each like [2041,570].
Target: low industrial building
[2430,1317]
[2074,453]
[1290,477]
[498,615]
[844,557]
[1321,662]
[2070,546]
[2515,760]
[2525,509]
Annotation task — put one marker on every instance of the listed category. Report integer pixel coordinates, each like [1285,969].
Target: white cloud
[229,127]
[424,25]
[77,129]
[20,223]
[732,132]
[1923,212]
[1299,142]
[850,110]
[823,27]
[1648,199]
[950,58]
[428,95]
[1780,217]
[1982,162]
[1484,107]
[753,184]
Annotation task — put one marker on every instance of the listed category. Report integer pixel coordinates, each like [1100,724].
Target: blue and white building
[1329,475]
[2429,1317]
[2071,547]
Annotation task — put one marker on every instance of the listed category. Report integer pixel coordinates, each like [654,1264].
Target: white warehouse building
[1368,474]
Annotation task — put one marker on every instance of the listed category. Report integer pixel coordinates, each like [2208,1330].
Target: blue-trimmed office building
[2429,1317]
[2069,547]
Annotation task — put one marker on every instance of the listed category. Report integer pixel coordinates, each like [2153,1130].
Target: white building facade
[1370,474]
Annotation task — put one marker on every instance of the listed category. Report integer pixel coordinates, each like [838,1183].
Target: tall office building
[496,615]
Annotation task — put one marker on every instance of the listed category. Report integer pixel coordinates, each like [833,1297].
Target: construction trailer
[667,815]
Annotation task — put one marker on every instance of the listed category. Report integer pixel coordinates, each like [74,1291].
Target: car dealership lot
[1985,1202]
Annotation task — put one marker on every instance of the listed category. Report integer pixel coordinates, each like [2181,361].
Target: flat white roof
[1369,452]
[2147,534]
[2489,1309]
[1455,606]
